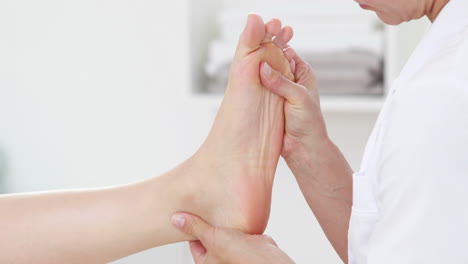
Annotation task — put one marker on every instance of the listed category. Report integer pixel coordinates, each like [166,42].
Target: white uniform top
[411,195]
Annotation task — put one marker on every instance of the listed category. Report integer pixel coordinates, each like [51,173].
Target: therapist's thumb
[194,226]
[277,83]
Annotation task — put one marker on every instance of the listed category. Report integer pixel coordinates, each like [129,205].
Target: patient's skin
[228,181]
[246,139]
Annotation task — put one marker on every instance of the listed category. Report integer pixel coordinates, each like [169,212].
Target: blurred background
[101,92]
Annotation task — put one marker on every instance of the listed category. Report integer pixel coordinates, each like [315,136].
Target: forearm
[325,179]
[90,226]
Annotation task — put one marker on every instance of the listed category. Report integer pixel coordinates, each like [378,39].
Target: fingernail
[267,69]
[178,221]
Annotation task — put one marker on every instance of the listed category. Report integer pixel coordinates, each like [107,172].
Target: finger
[292,65]
[194,226]
[303,73]
[290,53]
[274,81]
[284,37]
[198,251]
[273,28]
[299,60]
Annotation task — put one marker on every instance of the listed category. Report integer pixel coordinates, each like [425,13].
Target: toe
[253,35]
[273,28]
[283,38]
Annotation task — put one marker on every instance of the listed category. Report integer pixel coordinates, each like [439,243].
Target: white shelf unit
[399,42]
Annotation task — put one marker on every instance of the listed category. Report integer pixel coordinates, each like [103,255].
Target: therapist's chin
[395,20]
[391,20]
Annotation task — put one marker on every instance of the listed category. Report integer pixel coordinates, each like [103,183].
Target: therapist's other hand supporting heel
[220,245]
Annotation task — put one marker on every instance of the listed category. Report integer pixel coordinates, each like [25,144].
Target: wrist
[305,156]
[321,169]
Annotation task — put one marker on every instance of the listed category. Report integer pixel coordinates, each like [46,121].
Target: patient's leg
[227,182]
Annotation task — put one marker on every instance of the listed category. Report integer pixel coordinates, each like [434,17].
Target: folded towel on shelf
[348,72]
[346,58]
[342,73]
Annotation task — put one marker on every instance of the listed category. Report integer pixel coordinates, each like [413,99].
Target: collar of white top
[452,20]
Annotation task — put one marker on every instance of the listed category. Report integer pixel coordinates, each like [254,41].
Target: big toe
[252,36]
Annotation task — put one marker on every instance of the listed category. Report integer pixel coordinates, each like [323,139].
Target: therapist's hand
[228,246]
[321,170]
[305,127]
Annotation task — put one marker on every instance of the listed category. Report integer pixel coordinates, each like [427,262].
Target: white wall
[95,93]
[91,93]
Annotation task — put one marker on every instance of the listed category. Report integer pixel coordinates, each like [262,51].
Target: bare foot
[246,139]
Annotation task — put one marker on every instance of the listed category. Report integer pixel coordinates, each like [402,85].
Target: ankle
[191,185]
[221,189]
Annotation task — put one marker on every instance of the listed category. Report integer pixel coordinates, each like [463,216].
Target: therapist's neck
[435,7]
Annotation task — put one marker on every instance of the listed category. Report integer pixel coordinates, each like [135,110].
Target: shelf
[397,44]
[354,104]
[330,104]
